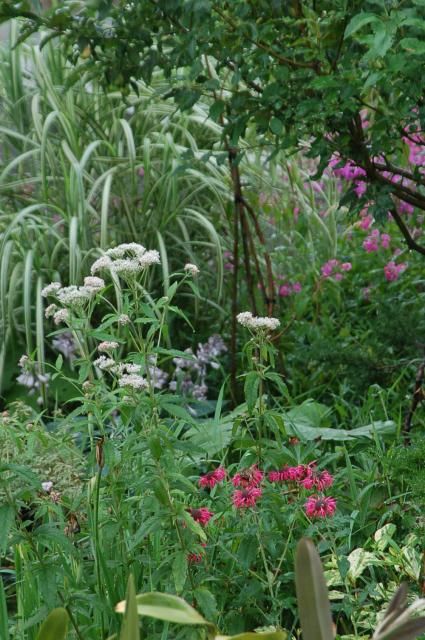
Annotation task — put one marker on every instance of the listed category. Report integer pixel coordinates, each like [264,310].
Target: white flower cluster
[127,373]
[192,269]
[71,296]
[51,289]
[134,381]
[107,346]
[126,260]
[257,323]
[94,284]
[62,315]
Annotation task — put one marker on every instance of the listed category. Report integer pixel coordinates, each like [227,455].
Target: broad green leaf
[359,560]
[167,607]
[312,594]
[413,45]
[383,536]
[55,626]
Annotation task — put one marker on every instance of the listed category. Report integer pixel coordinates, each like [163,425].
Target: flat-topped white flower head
[122,250]
[104,262]
[107,346]
[94,283]
[192,269]
[105,364]
[62,315]
[134,381]
[126,260]
[257,323]
[51,289]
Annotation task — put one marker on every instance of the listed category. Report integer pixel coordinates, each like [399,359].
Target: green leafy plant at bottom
[398,623]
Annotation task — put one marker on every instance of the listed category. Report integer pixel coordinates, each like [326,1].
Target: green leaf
[179,569]
[276,126]
[251,385]
[166,607]
[413,45]
[206,601]
[216,110]
[130,627]
[55,626]
[7,517]
[4,626]
[59,362]
[359,21]
[312,594]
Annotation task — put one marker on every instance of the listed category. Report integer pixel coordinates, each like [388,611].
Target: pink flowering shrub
[334,269]
[392,270]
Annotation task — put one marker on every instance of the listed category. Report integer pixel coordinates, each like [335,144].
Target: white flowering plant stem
[260,353]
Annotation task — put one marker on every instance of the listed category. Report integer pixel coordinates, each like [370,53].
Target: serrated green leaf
[359,21]
[179,569]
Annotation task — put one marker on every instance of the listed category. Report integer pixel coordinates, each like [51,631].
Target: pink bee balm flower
[275,476]
[319,480]
[346,266]
[317,507]
[243,498]
[210,479]
[248,477]
[296,474]
[296,287]
[196,558]
[201,515]
[338,277]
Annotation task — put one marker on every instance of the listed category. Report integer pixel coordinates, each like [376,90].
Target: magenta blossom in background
[250,477]
[360,188]
[334,268]
[210,479]
[405,207]
[366,221]
[243,498]
[201,515]
[393,270]
[318,507]
[385,240]
[328,268]
[285,290]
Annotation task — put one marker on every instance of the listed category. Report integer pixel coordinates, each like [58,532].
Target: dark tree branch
[417,397]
